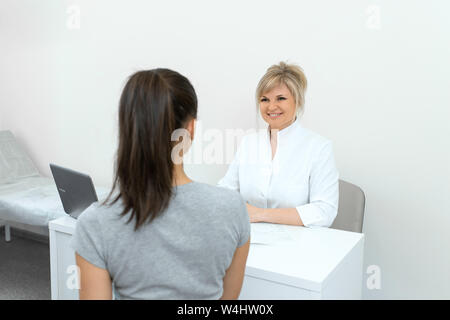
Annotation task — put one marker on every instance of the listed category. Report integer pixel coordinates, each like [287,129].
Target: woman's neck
[179,176]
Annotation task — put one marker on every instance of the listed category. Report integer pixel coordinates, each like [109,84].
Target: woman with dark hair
[160,235]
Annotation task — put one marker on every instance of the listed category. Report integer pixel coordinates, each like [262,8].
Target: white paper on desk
[266,233]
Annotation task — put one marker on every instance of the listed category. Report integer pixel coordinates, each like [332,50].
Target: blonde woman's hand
[255,213]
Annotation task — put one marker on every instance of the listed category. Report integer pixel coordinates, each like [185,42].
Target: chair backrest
[351,208]
[14,161]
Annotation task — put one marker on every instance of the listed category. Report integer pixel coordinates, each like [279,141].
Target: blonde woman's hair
[289,74]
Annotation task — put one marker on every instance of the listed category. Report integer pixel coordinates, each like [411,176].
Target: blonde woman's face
[277,107]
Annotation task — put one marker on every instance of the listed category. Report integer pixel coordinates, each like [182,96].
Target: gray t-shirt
[182,254]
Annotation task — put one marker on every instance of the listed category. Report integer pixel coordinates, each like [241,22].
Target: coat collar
[288,131]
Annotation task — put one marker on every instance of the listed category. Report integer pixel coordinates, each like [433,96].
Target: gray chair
[351,208]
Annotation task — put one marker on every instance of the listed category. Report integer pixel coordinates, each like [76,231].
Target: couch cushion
[14,161]
[32,200]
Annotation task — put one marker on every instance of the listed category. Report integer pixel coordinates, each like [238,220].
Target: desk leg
[62,261]
[53,265]
[7,233]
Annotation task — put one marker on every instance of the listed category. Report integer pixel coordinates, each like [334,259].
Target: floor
[24,269]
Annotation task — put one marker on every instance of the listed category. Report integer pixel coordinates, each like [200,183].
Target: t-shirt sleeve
[244,222]
[87,240]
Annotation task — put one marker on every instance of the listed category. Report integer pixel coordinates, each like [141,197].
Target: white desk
[62,257]
[308,263]
[300,263]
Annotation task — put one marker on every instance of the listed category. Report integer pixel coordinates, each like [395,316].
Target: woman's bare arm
[95,282]
[234,276]
[282,215]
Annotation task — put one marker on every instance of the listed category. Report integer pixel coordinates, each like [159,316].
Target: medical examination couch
[26,196]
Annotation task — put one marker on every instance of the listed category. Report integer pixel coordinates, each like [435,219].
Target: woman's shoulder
[219,197]
[255,135]
[215,191]
[314,139]
[218,203]
[98,212]
[252,138]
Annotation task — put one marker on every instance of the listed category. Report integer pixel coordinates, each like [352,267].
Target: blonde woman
[287,173]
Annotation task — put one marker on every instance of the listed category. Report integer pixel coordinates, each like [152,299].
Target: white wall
[378,89]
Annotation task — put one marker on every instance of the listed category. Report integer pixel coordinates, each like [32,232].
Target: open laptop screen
[75,189]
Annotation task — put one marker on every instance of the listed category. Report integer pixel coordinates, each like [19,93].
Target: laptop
[75,189]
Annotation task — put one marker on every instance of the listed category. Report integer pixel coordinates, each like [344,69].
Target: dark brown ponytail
[153,104]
